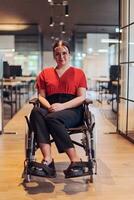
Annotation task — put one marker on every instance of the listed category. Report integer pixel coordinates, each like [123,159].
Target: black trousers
[44,124]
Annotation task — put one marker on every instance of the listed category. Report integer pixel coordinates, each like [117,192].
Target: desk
[26,82]
[10,85]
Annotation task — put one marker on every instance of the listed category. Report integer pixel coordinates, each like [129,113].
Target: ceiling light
[63,32]
[56,38]
[66,11]
[63,29]
[102,50]
[52,37]
[109,41]
[61,23]
[51,23]
[13,27]
[51,2]
[65,3]
[7,50]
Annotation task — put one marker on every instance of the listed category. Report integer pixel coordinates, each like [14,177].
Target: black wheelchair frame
[87,143]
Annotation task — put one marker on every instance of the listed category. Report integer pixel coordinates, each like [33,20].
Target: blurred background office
[99,38]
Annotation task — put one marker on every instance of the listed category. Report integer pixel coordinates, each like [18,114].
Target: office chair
[113,89]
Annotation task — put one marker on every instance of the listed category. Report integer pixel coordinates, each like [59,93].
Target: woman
[62,90]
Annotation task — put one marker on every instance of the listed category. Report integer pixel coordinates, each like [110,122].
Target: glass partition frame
[126,61]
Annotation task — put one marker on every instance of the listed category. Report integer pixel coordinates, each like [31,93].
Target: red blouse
[68,83]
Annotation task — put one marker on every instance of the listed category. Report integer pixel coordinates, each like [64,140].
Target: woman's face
[61,55]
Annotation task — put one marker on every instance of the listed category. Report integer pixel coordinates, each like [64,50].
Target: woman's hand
[56,107]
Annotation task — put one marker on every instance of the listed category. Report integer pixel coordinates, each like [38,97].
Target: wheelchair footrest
[78,169]
[39,169]
[77,174]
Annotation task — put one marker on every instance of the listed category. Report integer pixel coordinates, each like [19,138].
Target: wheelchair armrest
[88,101]
[88,116]
[34,101]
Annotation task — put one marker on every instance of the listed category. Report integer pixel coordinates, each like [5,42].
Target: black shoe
[43,170]
[76,169]
[50,170]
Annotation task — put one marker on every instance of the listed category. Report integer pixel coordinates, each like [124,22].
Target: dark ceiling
[84,15]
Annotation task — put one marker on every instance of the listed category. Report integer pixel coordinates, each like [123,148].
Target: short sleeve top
[72,79]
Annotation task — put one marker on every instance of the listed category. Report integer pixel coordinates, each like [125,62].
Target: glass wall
[29,61]
[95,53]
[126,99]
[1,94]
[22,48]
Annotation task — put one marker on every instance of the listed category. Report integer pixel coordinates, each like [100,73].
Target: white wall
[7,42]
[95,63]
[48,59]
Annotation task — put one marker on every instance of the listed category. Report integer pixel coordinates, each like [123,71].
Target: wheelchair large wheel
[91,152]
[89,145]
[30,146]
[29,151]
[26,175]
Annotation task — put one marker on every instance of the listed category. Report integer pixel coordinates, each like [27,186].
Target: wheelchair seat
[87,143]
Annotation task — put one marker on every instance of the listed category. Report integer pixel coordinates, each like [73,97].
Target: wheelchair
[87,142]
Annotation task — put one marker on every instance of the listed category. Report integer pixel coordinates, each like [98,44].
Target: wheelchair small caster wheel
[27,178]
[91,179]
[87,181]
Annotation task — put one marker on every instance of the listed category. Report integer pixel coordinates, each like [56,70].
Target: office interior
[104,51]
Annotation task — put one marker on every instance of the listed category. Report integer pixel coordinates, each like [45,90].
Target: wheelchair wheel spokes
[29,142]
[26,175]
[29,151]
[90,151]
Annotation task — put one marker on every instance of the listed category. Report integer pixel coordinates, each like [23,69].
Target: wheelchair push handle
[34,101]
